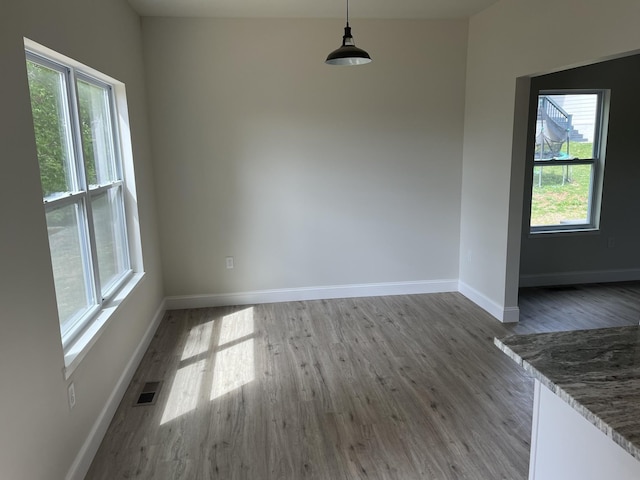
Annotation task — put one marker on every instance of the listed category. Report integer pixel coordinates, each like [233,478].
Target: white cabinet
[566,446]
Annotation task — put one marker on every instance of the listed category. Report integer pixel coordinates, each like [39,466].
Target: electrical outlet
[229,263]
[72,396]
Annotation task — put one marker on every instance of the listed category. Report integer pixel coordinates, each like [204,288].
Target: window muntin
[568,161]
[81,176]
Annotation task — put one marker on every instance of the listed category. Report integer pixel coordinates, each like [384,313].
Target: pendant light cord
[347,13]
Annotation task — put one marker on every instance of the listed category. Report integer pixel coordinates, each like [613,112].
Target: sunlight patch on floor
[185,390]
[236,325]
[234,362]
[198,341]
[231,356]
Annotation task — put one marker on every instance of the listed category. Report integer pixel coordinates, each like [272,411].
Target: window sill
[77,350]
[564,233]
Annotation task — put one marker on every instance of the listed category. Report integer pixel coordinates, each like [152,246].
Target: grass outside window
[561,193]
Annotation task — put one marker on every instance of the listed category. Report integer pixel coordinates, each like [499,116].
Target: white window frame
[86,329]
[597,163]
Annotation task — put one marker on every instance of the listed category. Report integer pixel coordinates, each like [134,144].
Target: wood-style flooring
[402,387]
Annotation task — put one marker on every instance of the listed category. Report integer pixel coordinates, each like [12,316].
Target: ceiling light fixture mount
[348,53]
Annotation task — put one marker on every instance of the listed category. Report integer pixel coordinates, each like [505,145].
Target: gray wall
[587,257]
[40,438]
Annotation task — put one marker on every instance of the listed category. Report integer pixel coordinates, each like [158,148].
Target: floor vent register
[148,394]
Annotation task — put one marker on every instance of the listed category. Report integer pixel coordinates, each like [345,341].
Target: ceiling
[419,9]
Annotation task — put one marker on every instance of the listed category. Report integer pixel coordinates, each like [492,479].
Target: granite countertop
[597,372]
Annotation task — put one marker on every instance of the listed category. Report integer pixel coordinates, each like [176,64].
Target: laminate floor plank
[398,388]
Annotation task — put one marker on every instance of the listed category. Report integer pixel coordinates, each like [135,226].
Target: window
[78,147]
[568,162]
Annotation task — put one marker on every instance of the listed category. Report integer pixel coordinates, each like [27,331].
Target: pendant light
[348,53]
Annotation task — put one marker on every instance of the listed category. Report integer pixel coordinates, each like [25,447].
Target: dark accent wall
[563,258]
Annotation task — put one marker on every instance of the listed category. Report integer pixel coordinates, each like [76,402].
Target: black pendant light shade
[348,53]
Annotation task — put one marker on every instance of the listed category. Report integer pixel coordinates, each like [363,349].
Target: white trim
[510,315]
[311,293]
[41,50]
[577,278]
[82,462]
[502,313]
[78,349]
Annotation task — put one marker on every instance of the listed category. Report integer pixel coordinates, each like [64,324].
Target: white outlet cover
[72,395]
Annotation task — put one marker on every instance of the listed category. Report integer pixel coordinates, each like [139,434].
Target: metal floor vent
[148,394]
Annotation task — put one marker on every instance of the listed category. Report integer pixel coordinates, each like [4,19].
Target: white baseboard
[311,293]
[577,278]
[502,313]
[510,315]
[83,460]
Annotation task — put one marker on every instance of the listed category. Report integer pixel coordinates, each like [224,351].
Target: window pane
[97,133]
[561,195]
[51,124]
[110,239]
[70,272]
[566,126]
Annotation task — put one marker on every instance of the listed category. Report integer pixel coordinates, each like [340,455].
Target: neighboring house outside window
[568,161]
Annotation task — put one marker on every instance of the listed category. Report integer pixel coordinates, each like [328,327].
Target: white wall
[309,175]
[39,436]
[509,40]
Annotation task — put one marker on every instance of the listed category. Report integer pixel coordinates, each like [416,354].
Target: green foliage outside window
[50,118]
